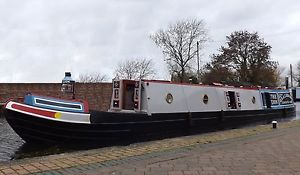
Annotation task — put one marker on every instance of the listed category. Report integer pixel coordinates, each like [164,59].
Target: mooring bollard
[274,124]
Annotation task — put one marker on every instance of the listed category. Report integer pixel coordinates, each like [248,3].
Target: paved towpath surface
[253,150]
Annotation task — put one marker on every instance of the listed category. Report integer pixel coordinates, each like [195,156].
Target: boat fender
[221,116]
[189,119]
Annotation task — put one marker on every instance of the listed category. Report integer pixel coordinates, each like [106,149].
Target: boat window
[205,99]
[253,100]
[169,98]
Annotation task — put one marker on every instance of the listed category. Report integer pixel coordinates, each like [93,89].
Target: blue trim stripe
[55,104]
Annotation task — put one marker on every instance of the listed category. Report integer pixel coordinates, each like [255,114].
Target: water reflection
[13,147]
[10,142]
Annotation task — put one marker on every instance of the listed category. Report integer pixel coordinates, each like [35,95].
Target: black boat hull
[110,127]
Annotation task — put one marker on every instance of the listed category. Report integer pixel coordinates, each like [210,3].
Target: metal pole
[286,82]
[198,62]
[291,68]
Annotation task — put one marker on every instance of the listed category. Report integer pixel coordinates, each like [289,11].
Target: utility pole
[198,62]
[287,82]
[291,69]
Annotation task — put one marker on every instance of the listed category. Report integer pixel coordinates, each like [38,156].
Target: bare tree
[92,77]
[135,69]
[179,45]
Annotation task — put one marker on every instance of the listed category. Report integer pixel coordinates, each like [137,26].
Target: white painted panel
[144,100]
[246,96]
[298,93]
[195,94]
[156,97]
[189,98]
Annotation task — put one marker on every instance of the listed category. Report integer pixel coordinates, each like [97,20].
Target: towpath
[253,150]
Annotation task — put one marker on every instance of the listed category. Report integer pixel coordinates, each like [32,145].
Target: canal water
[13,147]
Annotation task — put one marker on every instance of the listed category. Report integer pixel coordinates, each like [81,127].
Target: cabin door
[268,100]
[232,99]
[128,95]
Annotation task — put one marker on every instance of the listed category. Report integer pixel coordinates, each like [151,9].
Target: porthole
[253,100]
[205,99]
[169,98]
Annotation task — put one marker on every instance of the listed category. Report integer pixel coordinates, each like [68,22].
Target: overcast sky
[41,39]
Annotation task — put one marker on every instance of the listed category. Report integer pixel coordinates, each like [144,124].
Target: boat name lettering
[274,99]
[285,98]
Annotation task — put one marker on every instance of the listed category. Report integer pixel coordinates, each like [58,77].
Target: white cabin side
[246,99]
[193,98]
[201,98]
[297,93]
[164,98]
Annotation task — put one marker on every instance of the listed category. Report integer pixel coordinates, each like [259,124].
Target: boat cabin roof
[218,85]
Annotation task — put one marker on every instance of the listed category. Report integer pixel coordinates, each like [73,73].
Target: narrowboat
[142,109]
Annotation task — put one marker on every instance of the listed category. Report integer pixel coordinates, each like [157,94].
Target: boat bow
[48,114]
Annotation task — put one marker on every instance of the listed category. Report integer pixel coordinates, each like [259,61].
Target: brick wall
[97,94]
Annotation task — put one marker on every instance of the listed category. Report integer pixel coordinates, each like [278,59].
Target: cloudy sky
[41,39]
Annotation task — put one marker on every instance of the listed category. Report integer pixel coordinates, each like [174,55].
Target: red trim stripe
[34,111]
